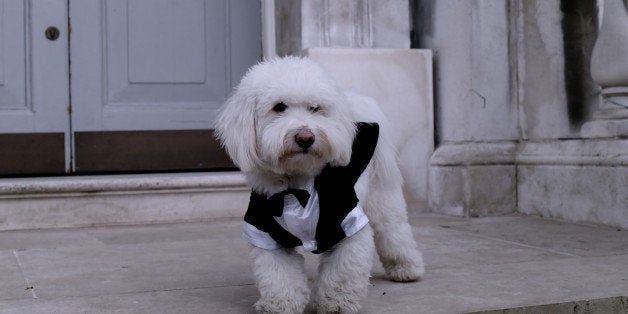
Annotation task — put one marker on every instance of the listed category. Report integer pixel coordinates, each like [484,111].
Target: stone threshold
[82,201]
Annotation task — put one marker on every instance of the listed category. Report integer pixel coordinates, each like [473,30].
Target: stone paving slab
[472,265]
[447,248]
[487,286]
[576,239]
[129,259]
[604,305]
[229,299]
[12,284]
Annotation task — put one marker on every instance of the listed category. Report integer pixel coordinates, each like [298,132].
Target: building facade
[530,97]
[499,107]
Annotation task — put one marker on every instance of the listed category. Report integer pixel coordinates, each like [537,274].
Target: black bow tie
[302,196]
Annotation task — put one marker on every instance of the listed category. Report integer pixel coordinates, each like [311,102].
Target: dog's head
[286,117]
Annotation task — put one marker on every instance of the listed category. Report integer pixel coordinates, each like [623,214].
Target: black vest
[335,188]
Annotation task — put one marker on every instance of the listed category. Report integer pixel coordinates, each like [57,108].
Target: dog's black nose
[304,139]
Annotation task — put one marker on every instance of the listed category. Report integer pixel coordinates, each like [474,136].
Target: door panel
[12,57]
[172,36]
[50,93]
[144,67]
[33,70]
[130,151]
[32,153]
[34,88]
[156,64]
[162,64]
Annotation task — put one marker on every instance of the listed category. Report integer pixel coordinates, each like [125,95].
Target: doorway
[110,86]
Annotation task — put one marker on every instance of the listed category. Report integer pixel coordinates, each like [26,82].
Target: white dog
[301,144]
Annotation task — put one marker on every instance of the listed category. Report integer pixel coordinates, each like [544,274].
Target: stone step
[82,201]
[603,305]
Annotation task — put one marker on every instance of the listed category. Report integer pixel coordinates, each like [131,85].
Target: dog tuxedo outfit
[320,215]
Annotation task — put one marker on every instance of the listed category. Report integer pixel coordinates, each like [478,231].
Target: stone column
[584,180]
[609,68]
[473,172]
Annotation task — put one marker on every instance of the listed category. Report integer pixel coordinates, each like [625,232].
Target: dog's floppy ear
[341,133]
[235,128]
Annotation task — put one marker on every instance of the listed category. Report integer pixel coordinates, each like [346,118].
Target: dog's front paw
[404,271]
[336,305]
[276,305]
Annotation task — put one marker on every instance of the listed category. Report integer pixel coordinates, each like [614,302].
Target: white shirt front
[302,223]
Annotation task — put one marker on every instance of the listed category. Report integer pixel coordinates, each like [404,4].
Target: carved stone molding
[304,24]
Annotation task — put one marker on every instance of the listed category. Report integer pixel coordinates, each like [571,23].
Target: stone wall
[520,123]
[514,98]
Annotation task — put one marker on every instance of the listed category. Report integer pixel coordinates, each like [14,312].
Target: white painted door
[34,95]
[154,65]
[133,85]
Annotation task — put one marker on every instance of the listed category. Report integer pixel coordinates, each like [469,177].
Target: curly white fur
[258,125]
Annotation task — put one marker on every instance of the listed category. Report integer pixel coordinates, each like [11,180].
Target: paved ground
[472,264]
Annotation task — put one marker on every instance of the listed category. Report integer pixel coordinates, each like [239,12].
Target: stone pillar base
[612,118]
[473,179]
[605,128]
[573,180]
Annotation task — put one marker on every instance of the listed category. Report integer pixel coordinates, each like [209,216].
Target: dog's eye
[280,107]
[314,109]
